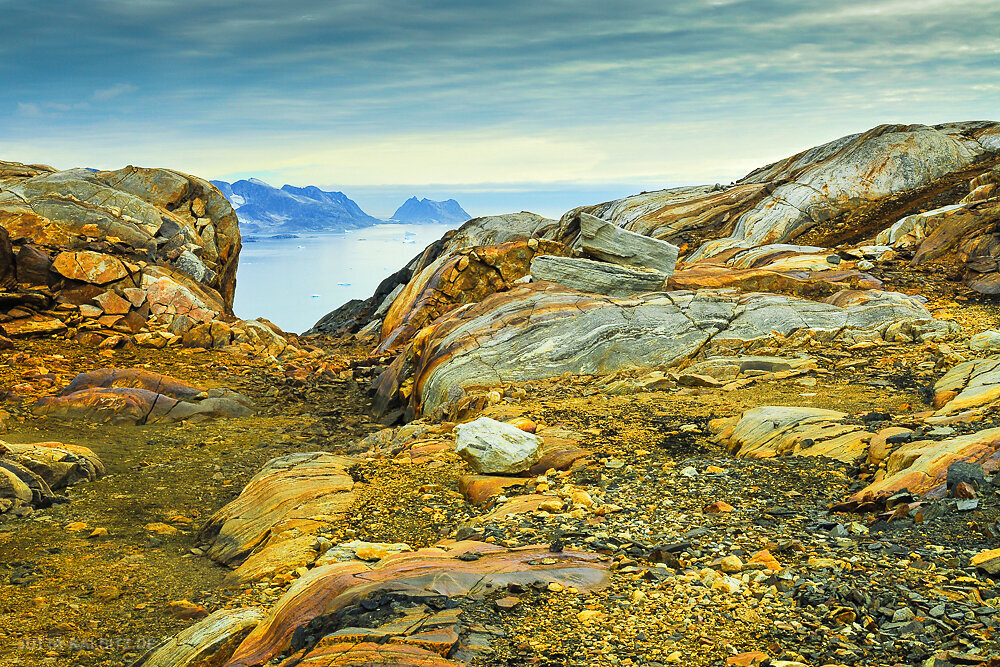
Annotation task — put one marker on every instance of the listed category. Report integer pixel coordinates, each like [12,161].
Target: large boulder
[497,448]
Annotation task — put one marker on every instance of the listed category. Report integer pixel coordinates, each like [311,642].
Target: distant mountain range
[424,210]
[264,209]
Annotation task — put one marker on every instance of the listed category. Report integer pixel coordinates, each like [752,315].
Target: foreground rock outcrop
[542,330]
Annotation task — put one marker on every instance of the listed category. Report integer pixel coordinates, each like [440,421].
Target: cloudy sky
[510,105]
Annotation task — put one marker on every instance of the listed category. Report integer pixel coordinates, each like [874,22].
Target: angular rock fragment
[495,447]
[606,241]
[58,464]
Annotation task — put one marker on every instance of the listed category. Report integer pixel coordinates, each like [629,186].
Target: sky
[514,105]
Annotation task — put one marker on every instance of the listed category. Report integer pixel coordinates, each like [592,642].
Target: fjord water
[294,282]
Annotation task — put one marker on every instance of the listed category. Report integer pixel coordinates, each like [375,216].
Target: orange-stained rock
[878,449]
[59,464]
[282,507]
[467,277]
[524,424]
[89,267]
[370,654]
[477,489]
[434,571]
[921,467]
[764,557]
[112,304]
[769,431]
[719,506]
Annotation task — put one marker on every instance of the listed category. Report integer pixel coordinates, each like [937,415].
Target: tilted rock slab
[593,277]
[770,431]
[606,241]
[431,572]
[271,526]
[542,330]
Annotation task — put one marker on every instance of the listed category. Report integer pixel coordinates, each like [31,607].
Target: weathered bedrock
[780,201]
[544,330]
[125,220]
[135,396]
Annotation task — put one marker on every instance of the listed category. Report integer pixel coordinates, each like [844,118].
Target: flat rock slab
[271,525]
[544,330]
[770,431]
[593,277]
[450,570]
[606,241]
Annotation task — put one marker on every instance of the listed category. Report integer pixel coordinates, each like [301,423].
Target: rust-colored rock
[467,277]
[435,571]
[272,522]
[89,267]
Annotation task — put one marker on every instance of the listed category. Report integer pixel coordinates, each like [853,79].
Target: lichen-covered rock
[495,447]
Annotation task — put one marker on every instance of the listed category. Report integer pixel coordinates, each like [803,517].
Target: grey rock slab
[496,448]
[606,241]
[595,277]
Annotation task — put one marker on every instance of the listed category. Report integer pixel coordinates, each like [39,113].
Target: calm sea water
[294,282]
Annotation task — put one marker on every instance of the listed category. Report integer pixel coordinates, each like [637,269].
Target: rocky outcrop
[133,396]
[272,525]
[493,230]
[468,276]
[132,216]
[30,473]
[445,572]
[543,330]
[778,202]
[770,431]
